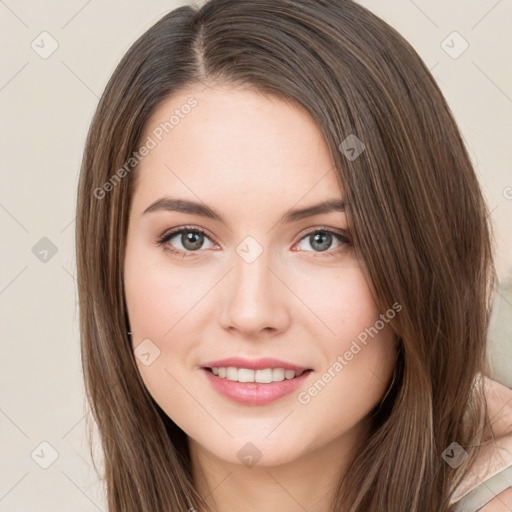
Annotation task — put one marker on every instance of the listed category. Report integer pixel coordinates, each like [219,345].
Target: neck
[306,483]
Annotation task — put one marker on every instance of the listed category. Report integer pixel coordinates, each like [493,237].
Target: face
[249,281]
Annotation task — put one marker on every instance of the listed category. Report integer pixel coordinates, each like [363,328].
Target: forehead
[219,143]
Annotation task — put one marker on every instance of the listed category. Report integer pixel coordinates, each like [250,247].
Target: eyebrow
[193,208]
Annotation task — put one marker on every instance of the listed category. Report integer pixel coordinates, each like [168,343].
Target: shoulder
[494,457]
[499,403]
[501,503]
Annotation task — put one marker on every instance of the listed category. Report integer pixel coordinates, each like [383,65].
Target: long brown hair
[414,208]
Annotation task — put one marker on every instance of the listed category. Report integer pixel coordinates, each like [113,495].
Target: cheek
[342,301]
[158,296]
[360,349]
[150,306]
[157,305]
[359,363]
[368,342]
[164,308]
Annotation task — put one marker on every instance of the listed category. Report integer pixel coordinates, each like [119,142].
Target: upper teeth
[263,376]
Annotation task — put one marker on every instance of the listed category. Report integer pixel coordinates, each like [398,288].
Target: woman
[285,272]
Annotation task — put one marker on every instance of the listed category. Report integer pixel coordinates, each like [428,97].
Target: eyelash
[162,241]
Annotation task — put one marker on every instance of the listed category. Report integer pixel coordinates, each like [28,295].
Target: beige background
[46,106]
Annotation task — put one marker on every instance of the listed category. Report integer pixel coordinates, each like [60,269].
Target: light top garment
[491,472]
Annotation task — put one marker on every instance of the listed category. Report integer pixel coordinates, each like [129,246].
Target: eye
[191,240]
[321,240]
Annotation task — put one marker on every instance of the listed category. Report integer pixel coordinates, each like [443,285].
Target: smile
[262,376]
[252,392]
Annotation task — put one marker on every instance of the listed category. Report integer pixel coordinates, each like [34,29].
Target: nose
[255,298]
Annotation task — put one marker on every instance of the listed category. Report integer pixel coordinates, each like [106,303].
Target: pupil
[317,238]
[192,240]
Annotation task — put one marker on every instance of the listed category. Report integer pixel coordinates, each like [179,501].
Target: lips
[255,393]
[254,364]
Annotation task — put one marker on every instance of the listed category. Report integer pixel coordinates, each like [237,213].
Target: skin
[501,503]
[251,158]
